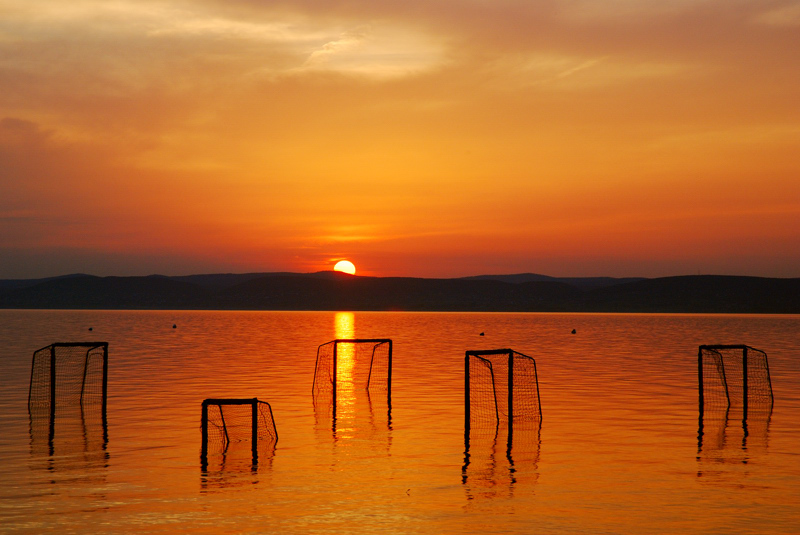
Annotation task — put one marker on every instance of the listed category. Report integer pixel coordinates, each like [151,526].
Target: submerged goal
[231,422]
[69,375]
[348,365]
[733,376]
[501,388]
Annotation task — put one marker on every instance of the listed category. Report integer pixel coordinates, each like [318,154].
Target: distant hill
[578,282]
[337,291]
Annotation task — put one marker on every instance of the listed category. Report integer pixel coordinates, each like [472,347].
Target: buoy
[174,326]
[90,328]
[481,334]
[574,331]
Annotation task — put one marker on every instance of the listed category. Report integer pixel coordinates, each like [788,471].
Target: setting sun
[345,266]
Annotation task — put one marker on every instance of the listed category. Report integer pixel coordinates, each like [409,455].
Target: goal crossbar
[369,358]
[57,369]
[735,374]
[255,423]
[509,381]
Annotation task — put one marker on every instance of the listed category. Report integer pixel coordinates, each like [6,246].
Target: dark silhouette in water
[501,402]
[370,363]
[734,386]
[67,406]
[228,423]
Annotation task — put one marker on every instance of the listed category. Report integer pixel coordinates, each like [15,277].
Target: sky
[427,138]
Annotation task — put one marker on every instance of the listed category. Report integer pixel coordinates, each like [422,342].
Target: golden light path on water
[345,328]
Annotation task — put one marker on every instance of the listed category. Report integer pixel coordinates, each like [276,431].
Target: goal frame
[254,442]
[480,354]
[745,369]
[90,346]
[334,375]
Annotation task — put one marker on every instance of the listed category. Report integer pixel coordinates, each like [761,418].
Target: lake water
[618,450]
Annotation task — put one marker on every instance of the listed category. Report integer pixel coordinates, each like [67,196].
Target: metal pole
[254,429]
[85,371]
[335,378]
[701,400]
[224,426]
[466,395]
[52,427]
[204,439]
[274,425]
[105,378]
[769,383]
[30,387]
[466,419]
[494,395]
[52,383]
[371,362]
[389,386]
[538,396]
[510,397]
[744,384]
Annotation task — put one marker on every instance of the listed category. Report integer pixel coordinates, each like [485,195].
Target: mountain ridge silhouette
[325,290]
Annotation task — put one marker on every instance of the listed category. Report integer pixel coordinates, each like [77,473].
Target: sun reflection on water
[344,325]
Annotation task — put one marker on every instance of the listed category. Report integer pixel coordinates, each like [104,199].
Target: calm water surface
[618,450]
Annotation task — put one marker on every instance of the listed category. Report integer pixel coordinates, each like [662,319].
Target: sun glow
[345,266]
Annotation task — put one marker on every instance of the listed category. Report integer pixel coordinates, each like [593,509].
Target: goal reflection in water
[497,468]
[238,437]
[735,410]
[352,388]
[67,410]
[76,442]
[726,441]
[502,425]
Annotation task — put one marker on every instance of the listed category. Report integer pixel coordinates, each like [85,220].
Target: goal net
[69,379]
[345,367]
[237,424]
[503,418]
[733,376]
[501,390]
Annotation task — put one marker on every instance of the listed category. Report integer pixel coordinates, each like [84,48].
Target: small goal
[733,376]
[69,376]
[346,366]
[229,423]
[501,389]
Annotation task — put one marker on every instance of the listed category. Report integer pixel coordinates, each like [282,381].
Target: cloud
[21,132]
[346,42]
[375,51]
[574,72]
[788,15]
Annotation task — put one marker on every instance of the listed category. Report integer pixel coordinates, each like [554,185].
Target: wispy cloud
[788,15]
[347,42]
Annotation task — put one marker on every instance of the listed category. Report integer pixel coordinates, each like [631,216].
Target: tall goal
[348,365]
[733,376]
[70,375]
[231,422]
[501,388]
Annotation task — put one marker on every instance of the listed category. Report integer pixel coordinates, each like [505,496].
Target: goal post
[225,422]
[69,374]
[733,376]
[501,388]
[352,365]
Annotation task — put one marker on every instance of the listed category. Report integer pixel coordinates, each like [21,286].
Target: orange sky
[414,138]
